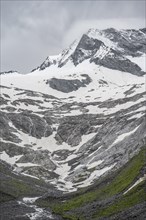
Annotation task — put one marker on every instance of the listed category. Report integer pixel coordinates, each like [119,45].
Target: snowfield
[86,125]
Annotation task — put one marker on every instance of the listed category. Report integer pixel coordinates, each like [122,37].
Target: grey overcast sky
[32,30]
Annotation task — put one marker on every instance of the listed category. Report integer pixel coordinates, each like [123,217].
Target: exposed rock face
[77,121]
[48,62]
[83,117]
[143,30]
[45,140]
[8,72]
[72,128]
[114,60]
[6,132]
[109,48]
[86,48]
[131,41]
[41,156]
[66,86]
[31,124]
[136,212]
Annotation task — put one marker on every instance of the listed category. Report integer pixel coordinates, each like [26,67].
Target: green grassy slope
[114,188]
[13,186]
[133,197]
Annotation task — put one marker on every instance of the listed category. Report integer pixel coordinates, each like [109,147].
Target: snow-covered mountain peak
[79,112]
[66,54]
[98,44]
[50,60]
[100,35]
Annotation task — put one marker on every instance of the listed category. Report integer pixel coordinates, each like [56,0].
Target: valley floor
[119,196]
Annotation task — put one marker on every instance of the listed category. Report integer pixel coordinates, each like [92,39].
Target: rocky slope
[78,117]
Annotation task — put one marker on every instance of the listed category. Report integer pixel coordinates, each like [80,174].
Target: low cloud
[80,27]
[32,30]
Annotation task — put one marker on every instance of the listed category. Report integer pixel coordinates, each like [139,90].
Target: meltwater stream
[39,213]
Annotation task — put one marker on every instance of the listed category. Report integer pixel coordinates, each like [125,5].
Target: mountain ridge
[108,37]
[78,118]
